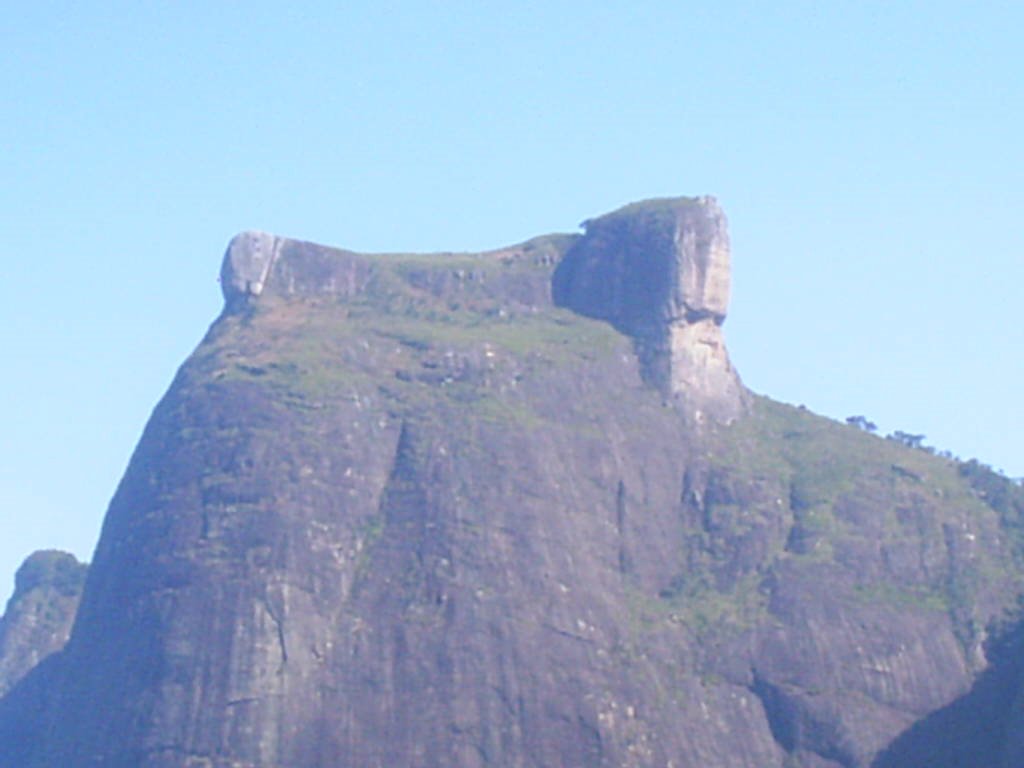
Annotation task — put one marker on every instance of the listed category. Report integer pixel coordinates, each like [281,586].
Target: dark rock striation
[512,509]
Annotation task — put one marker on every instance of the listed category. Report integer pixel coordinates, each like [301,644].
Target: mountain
[517,509]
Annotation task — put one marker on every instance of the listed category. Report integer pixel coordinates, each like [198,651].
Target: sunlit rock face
[659,272]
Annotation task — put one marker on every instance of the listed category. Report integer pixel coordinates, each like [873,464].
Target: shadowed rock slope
[511,509]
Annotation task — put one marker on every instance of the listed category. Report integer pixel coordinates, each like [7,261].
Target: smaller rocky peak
[659,271]
[50,569]
[40,614]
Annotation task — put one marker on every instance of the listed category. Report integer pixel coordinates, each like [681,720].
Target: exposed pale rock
[247,263]
[699,368]
[702,260]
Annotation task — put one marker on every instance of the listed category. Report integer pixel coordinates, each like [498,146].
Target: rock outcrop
[38,618]
[457,510]
[256,262]
[659,272]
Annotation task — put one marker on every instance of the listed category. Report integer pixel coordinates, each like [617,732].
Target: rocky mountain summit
[517,509]
[657,271]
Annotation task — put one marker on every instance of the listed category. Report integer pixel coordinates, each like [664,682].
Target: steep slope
[984,727]
[510,509]
[39,615]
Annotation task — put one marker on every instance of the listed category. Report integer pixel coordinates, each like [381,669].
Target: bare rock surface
[456,510]
[659,271]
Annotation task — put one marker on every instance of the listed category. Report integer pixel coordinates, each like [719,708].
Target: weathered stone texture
[659,272]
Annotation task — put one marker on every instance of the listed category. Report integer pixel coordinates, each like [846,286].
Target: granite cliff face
[515,509]
[659,272]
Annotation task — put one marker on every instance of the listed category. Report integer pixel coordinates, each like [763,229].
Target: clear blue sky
[869,155]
